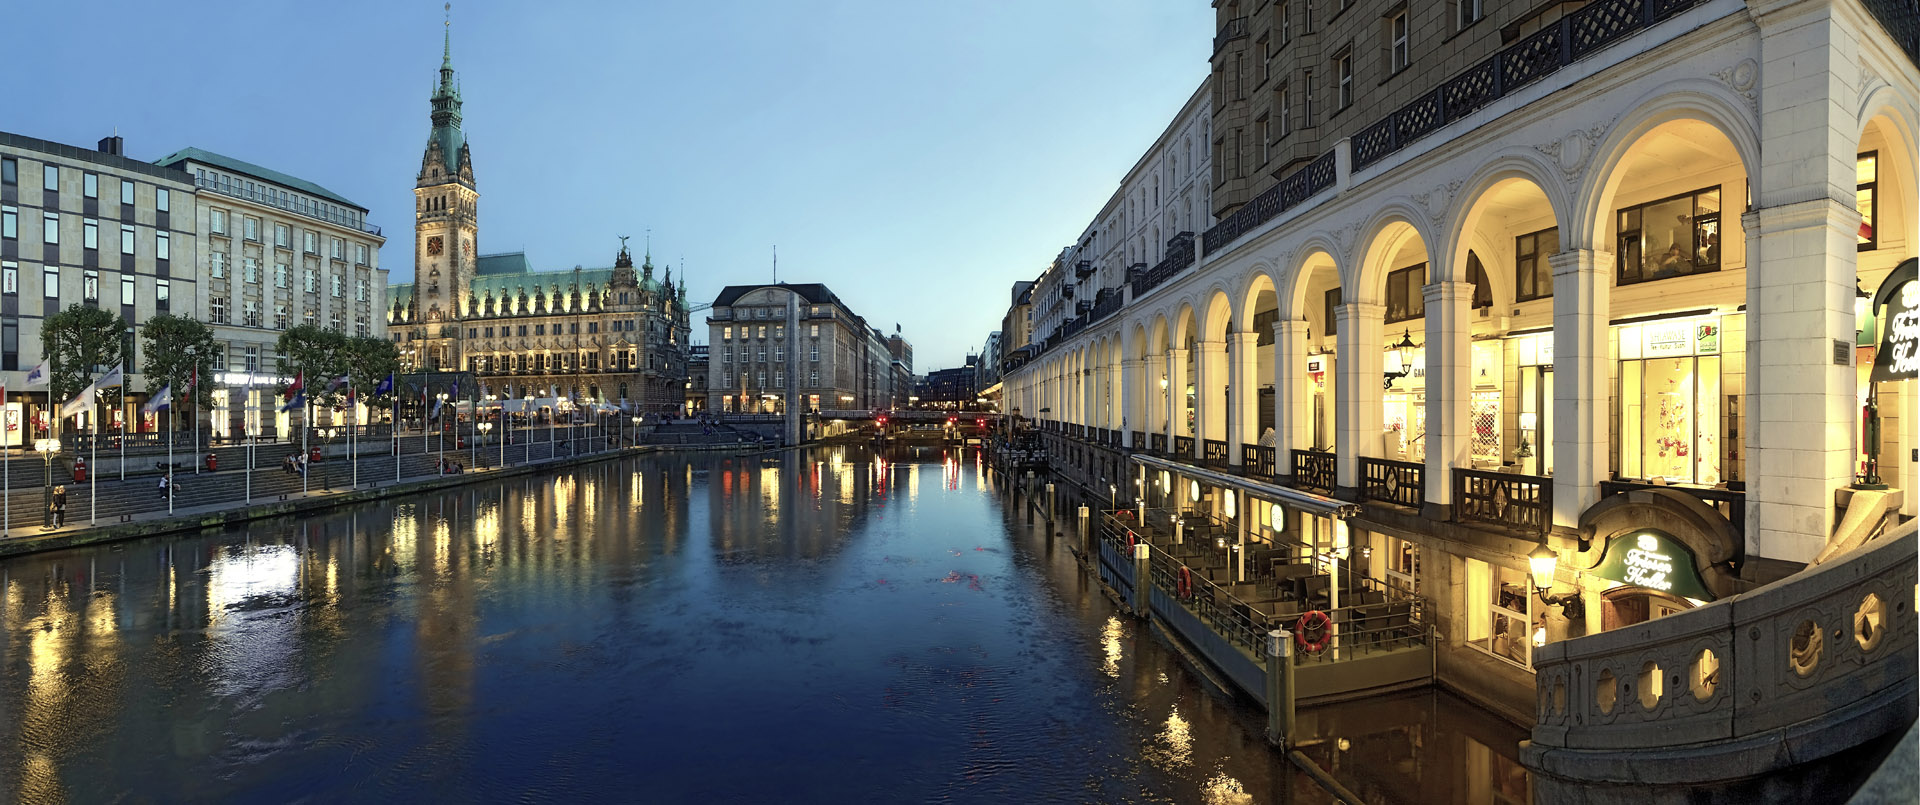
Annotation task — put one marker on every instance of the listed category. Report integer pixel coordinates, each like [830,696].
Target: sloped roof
[174,159]
[811,291]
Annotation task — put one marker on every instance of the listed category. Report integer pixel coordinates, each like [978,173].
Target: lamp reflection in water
[1110,642]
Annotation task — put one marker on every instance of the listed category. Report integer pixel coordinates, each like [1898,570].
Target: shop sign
[1899,355]
[1315,366]
[1653,560]
[1667,338]
[1706,337]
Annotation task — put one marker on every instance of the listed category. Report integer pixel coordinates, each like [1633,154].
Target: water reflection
[795,626]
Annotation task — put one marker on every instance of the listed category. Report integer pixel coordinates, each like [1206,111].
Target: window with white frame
[1397,52]
[217,264]
[1343,69]
[162,246]
[126,239]
[1500,617]
[1284,108]
[1402,564]
[89,233]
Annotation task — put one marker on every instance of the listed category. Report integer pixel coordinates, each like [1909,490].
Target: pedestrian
[164,492]
[60,506]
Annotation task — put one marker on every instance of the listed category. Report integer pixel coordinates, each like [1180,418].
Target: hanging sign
[1653,560]
[1899,355]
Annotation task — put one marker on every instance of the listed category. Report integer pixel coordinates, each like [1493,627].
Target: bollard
[1086,527]
[1142,579]
[1280,687]
[1053,502]
[1179,532]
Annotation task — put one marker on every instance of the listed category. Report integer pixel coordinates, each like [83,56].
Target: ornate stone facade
[612,335]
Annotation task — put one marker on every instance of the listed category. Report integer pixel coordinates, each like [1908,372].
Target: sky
[917,157]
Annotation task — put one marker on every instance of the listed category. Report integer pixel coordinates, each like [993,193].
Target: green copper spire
[446,108]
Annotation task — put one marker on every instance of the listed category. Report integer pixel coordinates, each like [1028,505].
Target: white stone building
[1621,250]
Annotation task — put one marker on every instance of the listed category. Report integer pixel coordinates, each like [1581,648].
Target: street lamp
[46,448]
[1541,563]
[1404,351]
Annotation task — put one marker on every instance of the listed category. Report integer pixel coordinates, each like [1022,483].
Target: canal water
[823,625]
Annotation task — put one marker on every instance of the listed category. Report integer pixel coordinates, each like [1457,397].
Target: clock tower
[446,227]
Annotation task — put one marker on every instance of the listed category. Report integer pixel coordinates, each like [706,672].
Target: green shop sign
[1655,561]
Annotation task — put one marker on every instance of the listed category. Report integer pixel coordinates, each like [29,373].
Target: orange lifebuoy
[1129,540]
[1317,624]
[1186,582]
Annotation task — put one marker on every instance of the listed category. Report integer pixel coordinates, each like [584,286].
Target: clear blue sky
[918,157]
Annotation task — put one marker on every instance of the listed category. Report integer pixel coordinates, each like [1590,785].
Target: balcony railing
[1301,185]
[272,199]
[1389,481]
[1257,460]
[1183,446]
[1235,28]
[1139,440]
[1314,471]
[1083,269]
[1159,443]
[1179,257]
[1520,502]
[1216,452]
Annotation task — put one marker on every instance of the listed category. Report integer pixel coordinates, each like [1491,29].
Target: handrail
[1313,469]
[1833,643]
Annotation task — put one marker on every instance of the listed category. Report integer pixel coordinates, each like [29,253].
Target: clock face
[435,246]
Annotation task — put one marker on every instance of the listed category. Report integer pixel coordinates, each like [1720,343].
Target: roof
[77,153]
[503,263]
[811,291]
[508,273]
[264,174]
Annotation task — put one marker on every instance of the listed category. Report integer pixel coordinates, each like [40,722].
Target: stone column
[1154,420]
[1212,419]
[1103,398]
[1130,399]
[1449,386]
[1244,387]
[1802,418]
[1176,395]
[1290,412]
[1359,417]
[1582,288]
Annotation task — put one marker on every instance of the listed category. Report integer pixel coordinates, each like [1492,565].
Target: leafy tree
[316,353]
[175,346]
[369,360]
[81,343]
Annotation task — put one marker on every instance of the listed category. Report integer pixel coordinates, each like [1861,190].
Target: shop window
[1405,300]
[1500,612]
[1670,392]
[1533,274]
[1867,199]
[1671,237]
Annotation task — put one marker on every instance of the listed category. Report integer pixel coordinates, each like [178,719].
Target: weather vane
[449,22]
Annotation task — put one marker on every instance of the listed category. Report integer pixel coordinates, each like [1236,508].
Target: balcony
[1235,28]
[1083,269]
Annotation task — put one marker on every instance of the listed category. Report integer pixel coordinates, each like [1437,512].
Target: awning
[1304,501]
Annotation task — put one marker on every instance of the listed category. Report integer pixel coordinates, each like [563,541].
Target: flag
[80,404]
[338,383]
[385,387]
[162,400]
[193,381]
[38,375]
[110,380]
[296,392]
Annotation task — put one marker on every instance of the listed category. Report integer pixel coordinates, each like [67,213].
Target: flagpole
[353,449]
[473,427]
[306,459]
[247,403]
[396,432]
[6,478]
[169,459]
[193,416]
[93,474]
[122,405]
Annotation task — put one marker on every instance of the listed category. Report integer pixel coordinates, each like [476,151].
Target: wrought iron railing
[1216,452]
[1179,256]
[1315,471]
[1235,28]
[1139,440]
[1301,185]
[1257,460]
[1571,38]
[1391,481]
[1521,502]
[1183,446]
[293,204]
[1159,443]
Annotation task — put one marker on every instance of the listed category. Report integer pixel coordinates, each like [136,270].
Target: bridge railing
[1834,643]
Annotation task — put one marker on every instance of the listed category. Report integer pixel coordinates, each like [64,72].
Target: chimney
[111,145]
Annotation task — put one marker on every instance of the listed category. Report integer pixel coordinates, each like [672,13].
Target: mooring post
[1053,502]
[1179,531]
[1086,526]
[1279,687]
[1142,578]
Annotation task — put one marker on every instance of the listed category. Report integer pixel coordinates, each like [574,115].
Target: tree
[175,346]
[81,343]
[316,354]
[369,360]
